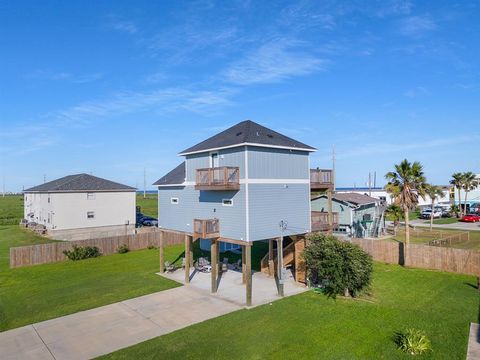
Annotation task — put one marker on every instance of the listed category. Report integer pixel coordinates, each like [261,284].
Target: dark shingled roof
[247,132]
[80,182]
[174,177]
[353,198]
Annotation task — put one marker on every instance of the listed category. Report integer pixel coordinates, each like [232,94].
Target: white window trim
[174,201]
[231,202]
[211,158]
[91,196]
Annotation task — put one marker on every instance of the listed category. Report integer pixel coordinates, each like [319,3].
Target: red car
[470,218]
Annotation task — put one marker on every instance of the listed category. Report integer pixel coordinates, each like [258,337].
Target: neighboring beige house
[82,206]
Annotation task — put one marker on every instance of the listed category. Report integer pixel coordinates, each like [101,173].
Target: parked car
[470,218]
[150,222]
[437,213]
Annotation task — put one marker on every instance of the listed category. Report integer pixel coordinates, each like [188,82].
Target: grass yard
[472,244]
[149,204]
[311,326]
[11,209]
[443,221]
[36,293]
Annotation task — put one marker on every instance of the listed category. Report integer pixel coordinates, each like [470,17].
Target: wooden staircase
[289,259]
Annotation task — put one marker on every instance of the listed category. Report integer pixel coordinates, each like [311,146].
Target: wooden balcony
[221,178]
[206,228]
[321,179]
[320,221]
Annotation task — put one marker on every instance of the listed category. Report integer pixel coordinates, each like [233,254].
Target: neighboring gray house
[355,214]
[248,178]
[81,206]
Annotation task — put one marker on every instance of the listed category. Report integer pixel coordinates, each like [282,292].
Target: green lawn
[11,209]
[472,244]
[445,221]
[311,326]
[149,204]
[36,293]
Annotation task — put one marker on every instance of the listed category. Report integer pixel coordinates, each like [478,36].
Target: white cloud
[124,26]
[416,92]
[416,25]
[50,75]
[273,62]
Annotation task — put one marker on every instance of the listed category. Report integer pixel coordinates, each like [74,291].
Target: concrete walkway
[473,352]
[99,331]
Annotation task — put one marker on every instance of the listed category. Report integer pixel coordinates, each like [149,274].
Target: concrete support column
[187,258]
[248,273]
[214,255]
[330,211]
[280,266]
[271,263]
[161,252]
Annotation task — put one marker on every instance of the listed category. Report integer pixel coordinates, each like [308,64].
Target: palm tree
[406,184]
[470,182]
[457,182]
[434,192]
[395,212]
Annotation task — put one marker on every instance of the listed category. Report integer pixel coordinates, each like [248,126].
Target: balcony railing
[220,178]
[206,228]
[321,179]
[320,221]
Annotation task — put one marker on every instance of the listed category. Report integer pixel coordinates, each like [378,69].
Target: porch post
[280,266]
[244,265]
[214,254]
[161,250]
[187,259]
[248,273]
[190,255]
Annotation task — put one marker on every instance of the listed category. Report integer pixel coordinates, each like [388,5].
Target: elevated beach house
[355,215]
[245,184]
[81,206]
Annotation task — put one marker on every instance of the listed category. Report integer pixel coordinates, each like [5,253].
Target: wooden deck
[220,178]
[320,221]
[321,179]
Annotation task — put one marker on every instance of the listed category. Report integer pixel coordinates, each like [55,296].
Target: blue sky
[113,87]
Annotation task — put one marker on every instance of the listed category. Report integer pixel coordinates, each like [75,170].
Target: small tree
[395,212]
[457,182]
[434,192]
[470,182]
[342,267]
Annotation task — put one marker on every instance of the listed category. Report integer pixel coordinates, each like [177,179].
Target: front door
[214,160]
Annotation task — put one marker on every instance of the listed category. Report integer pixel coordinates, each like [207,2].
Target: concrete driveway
[99,331]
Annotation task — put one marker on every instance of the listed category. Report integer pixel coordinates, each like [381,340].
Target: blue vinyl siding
[265,163]
[203,205]
[271,203]
[344,211]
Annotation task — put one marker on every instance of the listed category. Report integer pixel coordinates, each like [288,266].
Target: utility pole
[374,179]
[334,176]
[144,182]
[369,184]
[44,178]
[3,186]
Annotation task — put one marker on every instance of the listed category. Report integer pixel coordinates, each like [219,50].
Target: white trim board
[246,144]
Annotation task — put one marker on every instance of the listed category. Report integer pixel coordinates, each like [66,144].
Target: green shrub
[80,253]
[413,341]
[150,247]
[122,249]
[340,267]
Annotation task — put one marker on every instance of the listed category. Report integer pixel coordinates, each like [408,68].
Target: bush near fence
[53,252]
[423,256]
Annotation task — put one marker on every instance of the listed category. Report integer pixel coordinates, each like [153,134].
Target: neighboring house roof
[80,182]
[174,177]
[247,133]
[352,198]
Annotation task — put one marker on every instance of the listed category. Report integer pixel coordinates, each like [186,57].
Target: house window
[48,199]
[174,200]
[90,214]
[214,160]
[367,217]
[90,196]
[227,202]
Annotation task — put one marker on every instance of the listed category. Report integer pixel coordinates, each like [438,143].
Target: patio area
[231,288]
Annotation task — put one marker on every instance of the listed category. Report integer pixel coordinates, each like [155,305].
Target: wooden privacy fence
[53,252]
[423,256]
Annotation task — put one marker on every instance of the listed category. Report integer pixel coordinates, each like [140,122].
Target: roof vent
[238,133]
[270,136]
[258,134]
